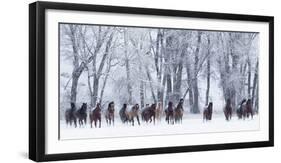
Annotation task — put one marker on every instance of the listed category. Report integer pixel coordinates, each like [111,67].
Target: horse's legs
[138,119]
[75,122]
[95,123]
[99,122]
[133,121]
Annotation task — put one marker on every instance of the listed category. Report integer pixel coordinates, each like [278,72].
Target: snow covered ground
[192,124]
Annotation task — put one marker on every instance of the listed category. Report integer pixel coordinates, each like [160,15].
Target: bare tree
[195,107]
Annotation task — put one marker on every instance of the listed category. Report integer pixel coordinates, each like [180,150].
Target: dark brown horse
[241,109]
[123,114]
[96,116]
[149,113]
[178,112]
[207,112]
[228,110]
[170,113]
[109,114]
[249,109]
[70,115]
[81,114]
[133,113]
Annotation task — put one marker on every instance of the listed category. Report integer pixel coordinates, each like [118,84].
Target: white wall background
[14,79]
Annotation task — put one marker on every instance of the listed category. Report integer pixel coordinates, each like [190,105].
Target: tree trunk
[208,71]
[195,108]
[189,83]
[169,88]
[95,90]
[90,87]
[208,82]
[104,84]
[75,72]
[127,66]
[235,60]
[74,88]
[249,78]
[141,89]
[255,81]
[97,73]
[178,74]
[257,99]
[150,84]
[142,94]
[129,87]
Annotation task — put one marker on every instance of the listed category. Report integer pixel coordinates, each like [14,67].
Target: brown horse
[109,114]
[159,111]
[249,109]
[134,112]
[149,113]
[81,114]
[207,112]
[170,113]
[70,115]
[178,112]
[96,116]
[228,110]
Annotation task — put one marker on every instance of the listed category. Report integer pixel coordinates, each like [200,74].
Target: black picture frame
[37,80]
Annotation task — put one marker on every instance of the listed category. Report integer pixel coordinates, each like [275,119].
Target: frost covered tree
[150,65]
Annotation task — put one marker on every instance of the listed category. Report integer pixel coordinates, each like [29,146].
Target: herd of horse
[149,114]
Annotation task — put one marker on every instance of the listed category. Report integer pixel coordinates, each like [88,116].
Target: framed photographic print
[109,81]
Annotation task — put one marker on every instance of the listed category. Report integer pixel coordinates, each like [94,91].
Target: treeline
[150,65]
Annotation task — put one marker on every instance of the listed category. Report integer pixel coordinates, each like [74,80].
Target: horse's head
[228,101]
[137,107]
[243,101]
[72,105]
[170,104]
[181,101]
[153,107]
[84,106]
[249,101]
[111,106]
[98,107]
[210,105]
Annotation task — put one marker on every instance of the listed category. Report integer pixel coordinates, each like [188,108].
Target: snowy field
[192,124]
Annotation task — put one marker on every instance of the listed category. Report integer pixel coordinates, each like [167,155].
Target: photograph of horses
[127,81]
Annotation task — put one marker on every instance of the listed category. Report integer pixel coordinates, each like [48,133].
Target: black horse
[123,114]
[70,116]
[249,109]
[179,112]
[208,111]
[228,110]
[241,109]
[170,113]
[81,114]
